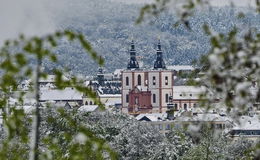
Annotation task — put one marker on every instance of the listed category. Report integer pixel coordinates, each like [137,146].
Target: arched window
[166,98]
[127,81]
[90,103]
[166,80]
[185,106]
[139,80]
[86,103]
[154,98]
[154,81]
[127,98]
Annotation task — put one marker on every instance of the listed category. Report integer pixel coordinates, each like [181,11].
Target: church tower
[146,90]
[100,76]
[133,64]
[159,63]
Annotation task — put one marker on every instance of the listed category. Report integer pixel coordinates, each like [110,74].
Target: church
[146,90]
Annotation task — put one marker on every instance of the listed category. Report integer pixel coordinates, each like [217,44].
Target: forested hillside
[110,26]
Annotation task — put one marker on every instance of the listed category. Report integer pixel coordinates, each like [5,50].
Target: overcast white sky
[24,16]
[240,3]
[32,17]
[213,2]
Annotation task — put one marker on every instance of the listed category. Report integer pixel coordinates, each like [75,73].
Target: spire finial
[159,44]
[132,38]
[132,45]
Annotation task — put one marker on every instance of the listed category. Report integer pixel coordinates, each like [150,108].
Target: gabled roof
[204,117]
[151,117]
[88,108]
[118,71]
[187,92]
[50,79]
[62,104]
[248,123]
[60,95]
[180,67]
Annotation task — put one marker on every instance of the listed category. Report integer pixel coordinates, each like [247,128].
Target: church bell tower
[159,63]
[133,64]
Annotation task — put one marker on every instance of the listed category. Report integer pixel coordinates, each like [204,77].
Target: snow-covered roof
[88,108]
[25,84]
[248,123]
[73,104]
[187,92]
[50,79]
[110,95]
[152,116]
[142,88]
[113,102]
[56,95]
[118,71]
[47,86]
[204,117]
[61,104]
[87,83]
[180,67]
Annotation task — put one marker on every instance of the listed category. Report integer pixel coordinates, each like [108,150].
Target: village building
[181,69]
[107,89]
[186,97]
[66,95]
[247,127]
[190,120]
[146,91]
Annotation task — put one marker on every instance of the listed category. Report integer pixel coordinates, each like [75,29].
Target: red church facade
[140,101]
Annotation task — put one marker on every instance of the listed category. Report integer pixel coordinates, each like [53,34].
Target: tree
[136,140]
[61,137]
[215,146]
[174,146]
[232,65]
[17,56]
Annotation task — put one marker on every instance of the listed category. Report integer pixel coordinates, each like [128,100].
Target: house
[181,69]
[157,120]
[213,120]
[49,82]
[117,74]
[66,95]
[110,99]
[186,97]
[246,127]
[193,121]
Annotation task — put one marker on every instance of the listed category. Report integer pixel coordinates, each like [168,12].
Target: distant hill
[110,28]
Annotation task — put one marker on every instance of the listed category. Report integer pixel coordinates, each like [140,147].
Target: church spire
[159,63]
[133,62]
